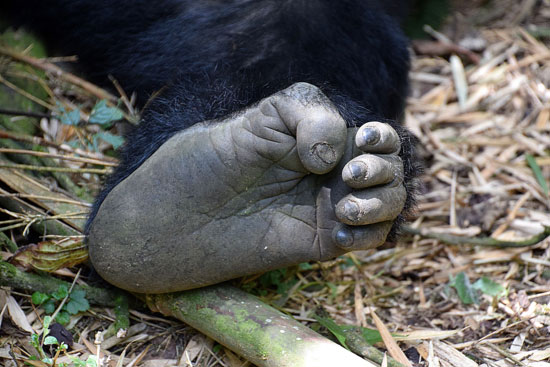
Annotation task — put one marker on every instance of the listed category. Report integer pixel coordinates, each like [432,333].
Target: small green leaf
[35,341]
[71,307]
[50,340]
[60,106]
[91,361]
[70,118]
[63,317]
[77,362]
[78,294]
[334,328]
[61,292]
[75,306]
[537,172]
[464,289]
[371,336]
[305,266]
[47,322]
[74,143]
[487,286]
[49,306]
[333,289]
[115,140]
[102,114]
[38,298]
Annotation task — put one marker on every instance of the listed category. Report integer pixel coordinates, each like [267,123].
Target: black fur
[214,57]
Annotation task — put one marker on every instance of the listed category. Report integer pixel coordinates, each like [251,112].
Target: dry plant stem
[47,198]
[256,331]
[39,141]
[4,111]
[506,354]
[35,216]
[63,179]
[478,241]
[99,171]
[68,77]
[133,116]
[59,156]
[25,93]
[388,340]
[49,67]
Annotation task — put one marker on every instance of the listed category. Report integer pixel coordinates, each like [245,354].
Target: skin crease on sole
[280,183]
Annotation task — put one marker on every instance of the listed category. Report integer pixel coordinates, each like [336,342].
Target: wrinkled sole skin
[282,182]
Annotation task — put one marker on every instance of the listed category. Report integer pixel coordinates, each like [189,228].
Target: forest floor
[460,288]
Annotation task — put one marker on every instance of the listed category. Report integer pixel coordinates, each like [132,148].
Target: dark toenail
[371,136]
[357,170]
[325,152]
[344,237]
[351,211]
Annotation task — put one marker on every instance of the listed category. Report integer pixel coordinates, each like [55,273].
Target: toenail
[357,170]
[344,237]
[325,152]
[370,136]
[351,211]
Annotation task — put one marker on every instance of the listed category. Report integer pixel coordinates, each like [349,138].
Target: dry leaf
[389,342]
[16,313]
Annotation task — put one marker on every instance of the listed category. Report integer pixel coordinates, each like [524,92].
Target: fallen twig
[39,115]
[70,78]
[478,241]
[58,156]
[99,171]
[43,142]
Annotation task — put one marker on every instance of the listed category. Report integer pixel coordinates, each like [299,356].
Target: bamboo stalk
[256,331]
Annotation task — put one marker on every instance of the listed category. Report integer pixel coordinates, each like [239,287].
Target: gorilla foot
[282,182]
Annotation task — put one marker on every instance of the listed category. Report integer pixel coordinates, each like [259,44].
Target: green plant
[468,293]
[38,341]
[101,115]
[76,302]
[57,348]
